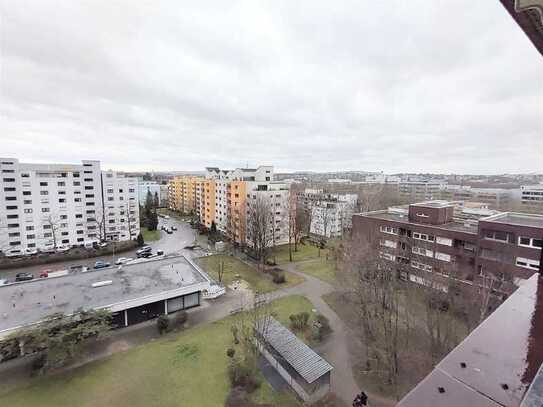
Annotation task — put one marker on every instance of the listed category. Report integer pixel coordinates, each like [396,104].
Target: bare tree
[53,225]
[260,227]
[130,216]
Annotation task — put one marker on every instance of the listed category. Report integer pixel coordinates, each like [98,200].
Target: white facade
[48,205]
[148,186]
[121,206]
[532,196]
[332,214]
[222,180]
[276,195]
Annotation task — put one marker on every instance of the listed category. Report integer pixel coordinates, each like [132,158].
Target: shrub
[299,321]
[230,352]
[241,375]
[321,328]
[162,324]
[181,317]
[279,277]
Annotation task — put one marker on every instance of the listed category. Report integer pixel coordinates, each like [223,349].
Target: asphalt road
[169,243]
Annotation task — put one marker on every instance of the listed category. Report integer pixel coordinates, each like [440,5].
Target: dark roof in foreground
[300,356]
[128,286]
[496,363]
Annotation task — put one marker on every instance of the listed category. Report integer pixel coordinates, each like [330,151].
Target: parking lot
[169,243]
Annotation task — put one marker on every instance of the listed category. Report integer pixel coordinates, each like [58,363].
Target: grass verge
[233,267]
[186,369]
[150,235]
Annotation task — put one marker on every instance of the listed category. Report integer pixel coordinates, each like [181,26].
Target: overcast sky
[440,86]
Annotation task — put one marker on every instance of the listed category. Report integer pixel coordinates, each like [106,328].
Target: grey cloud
[394,86]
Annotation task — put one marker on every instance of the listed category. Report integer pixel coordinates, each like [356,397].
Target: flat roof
[496,363]
[434,204]
[131,285]
[398,217]
[521,219]
[296,353]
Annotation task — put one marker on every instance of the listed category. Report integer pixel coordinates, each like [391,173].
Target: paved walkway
[334,349]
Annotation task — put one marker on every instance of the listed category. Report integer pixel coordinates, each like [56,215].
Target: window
[43,184]
[421,266]
[423,236]
[527,263]
[44,192]
[14,234]
[444,241]
[63,216]
[422,251]
[28,210]
[79,232]
[387,256]
[530,242]
[443,256]
[64,233]
[77,183]
[44,210]
[11,198]
[88,179]
[30,236]
[75,175]
[78,216]
[89,195]
[47,226]
[30,228]
[62,192]
[62,200]
[27,193]
[498,236]
[9,207]
[27,201]
[61,184]
[110,191]
[389,243]
[389,229]
[13,216]
[65,241]
[422,215]
[9,179]
[48,234]
[10,189]
[89,187]
[77,199]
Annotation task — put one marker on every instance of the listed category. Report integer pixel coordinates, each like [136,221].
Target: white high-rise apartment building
[331,214]
[43,206]
[121,206]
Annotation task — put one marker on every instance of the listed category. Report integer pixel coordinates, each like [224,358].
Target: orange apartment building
[236,194]
[183,194]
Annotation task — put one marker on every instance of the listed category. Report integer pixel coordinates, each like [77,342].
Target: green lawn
[183,369]
[320,268]
[150,235]
[305,252]
[232,266]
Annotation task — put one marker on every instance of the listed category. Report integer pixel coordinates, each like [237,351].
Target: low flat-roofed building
[496,364]
[133,293]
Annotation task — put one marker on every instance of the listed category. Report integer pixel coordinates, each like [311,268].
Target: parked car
[166,217]
[174,228]
[103,244]
[78,268]
[30,251]
[61,249]
[145,255]
[100,264]
[168,231]
[45,273]
[4,281]
[122,260]
[24,277]
[160,252]
[144,249]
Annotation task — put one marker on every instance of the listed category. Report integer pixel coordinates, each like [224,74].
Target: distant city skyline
[385,86]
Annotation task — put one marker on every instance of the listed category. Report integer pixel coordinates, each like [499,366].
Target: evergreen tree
[156,202]
[140,240]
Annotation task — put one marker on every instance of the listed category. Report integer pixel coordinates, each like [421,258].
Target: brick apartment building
[432,240]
